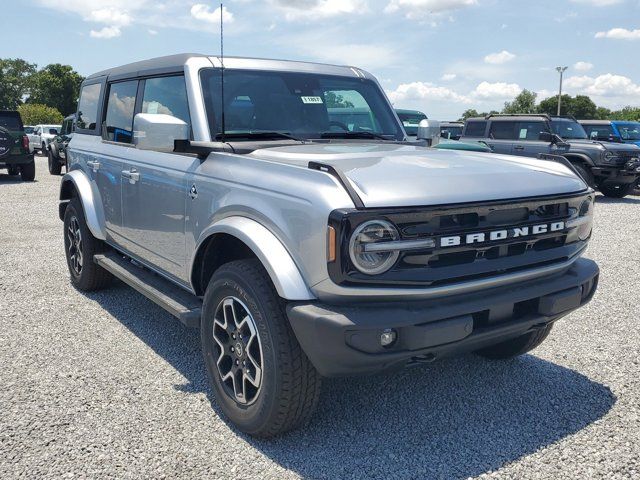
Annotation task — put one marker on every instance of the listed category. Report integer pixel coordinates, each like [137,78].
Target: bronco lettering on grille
[504,234]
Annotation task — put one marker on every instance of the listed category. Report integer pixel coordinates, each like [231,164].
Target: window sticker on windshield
[311,99]
[523,133]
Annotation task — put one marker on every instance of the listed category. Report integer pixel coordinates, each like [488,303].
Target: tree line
[580,106]
[44,95]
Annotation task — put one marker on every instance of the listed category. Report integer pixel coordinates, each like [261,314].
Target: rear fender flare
[77,181]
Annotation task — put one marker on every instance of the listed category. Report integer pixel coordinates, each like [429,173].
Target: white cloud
[423,8]
[620,34]
[496,91]
[203,12]
[609,90]
[106,32]
[425,91]
[447,77]
[499,58]
[152,31]
[583,66]
[319,9]
[599,3]
[109,16]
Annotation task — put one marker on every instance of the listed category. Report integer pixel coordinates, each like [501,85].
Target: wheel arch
[580,158]
[76,183]
[235,238]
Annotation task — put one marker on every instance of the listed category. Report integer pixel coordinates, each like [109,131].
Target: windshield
[451,131]
[568,129]
[629,131]
[410,121]
[302,105]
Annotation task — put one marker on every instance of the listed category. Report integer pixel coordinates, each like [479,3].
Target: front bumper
[11,160]
[344,340]
[628,173]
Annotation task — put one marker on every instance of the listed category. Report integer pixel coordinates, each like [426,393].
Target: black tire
[516,346]
[89,276]
[586,174]
[13,170]
[43,150]
[28,171]
[55,167]
[616,190]
[290,386]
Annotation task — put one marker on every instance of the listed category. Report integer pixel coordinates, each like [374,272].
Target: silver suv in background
[305,238]
[41,136]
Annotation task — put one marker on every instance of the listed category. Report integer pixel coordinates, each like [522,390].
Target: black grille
[447,264]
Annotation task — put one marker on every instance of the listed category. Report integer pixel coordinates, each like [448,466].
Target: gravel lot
[109,385]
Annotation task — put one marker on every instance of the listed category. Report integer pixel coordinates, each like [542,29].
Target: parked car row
[291,218]
[40,135]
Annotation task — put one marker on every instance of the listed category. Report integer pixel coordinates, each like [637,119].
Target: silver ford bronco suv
[279,207]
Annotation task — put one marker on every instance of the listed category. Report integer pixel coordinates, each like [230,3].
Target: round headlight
[586,213]
[373,231]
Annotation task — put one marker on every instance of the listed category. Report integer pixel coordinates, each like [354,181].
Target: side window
[120,107]
[530,130]
[601,131]
[88,106]
[166,95]
[475,128]
[502,130]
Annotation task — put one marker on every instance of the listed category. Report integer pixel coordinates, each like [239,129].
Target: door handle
[132,174]
[518,147]
[93,165]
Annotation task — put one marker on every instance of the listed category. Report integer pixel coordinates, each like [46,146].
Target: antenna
[222,69]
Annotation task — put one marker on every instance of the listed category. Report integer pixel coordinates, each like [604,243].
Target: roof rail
[487,117]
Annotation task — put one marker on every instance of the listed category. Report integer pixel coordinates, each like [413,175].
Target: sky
[438,56]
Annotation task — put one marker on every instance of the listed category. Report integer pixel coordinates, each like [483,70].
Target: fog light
[387,337]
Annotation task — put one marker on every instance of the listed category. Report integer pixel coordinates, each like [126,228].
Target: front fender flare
[77,180]
[275,258]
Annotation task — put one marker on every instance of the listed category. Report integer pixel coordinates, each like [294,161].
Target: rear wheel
[55,168]
[80,247]
[616,190]
[516,346]
[28,171]
[262,380]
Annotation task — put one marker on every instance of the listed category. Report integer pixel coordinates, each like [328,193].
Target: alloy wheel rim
[238,350]
[74,237]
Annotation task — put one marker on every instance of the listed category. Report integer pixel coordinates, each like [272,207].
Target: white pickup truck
[41,136]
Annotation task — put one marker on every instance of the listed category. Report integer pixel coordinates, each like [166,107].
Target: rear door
[527,142]
[501,136]
[155,190]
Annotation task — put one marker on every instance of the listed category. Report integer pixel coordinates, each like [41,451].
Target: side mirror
[429,130]
[545,137]
[158,131]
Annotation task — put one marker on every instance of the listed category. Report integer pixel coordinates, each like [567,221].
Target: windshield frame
[211,100]
[560,121]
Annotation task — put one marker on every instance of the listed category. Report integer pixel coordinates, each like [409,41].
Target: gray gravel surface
[109,385]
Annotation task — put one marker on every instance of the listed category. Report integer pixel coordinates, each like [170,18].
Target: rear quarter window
[475,128]
[88,106]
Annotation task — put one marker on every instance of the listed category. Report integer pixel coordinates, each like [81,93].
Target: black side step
[179,303]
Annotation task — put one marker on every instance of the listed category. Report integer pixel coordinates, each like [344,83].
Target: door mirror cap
[429,130]
[545,137]
[157,131]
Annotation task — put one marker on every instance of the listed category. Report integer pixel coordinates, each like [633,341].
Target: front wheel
[55,168]
[262,380]
[28,171]
[516,346]
[80,247]
[586,174]
[616,190]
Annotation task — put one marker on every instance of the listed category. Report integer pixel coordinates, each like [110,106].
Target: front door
[528,143]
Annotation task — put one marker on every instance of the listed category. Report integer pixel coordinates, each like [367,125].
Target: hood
[391,175]
[613,146]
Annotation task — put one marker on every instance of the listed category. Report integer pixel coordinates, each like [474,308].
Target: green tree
[628,113]
[15,78]
[470,113]
[550,105]
[58,86]
[603,113]
[525,102]
[35,113]
[334,100]
[582,107]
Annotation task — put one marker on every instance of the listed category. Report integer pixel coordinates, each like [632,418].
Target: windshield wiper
[266,135]
[363,134]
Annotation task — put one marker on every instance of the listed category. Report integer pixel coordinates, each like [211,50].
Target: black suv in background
[57,148]
[612,168]
[14,146]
